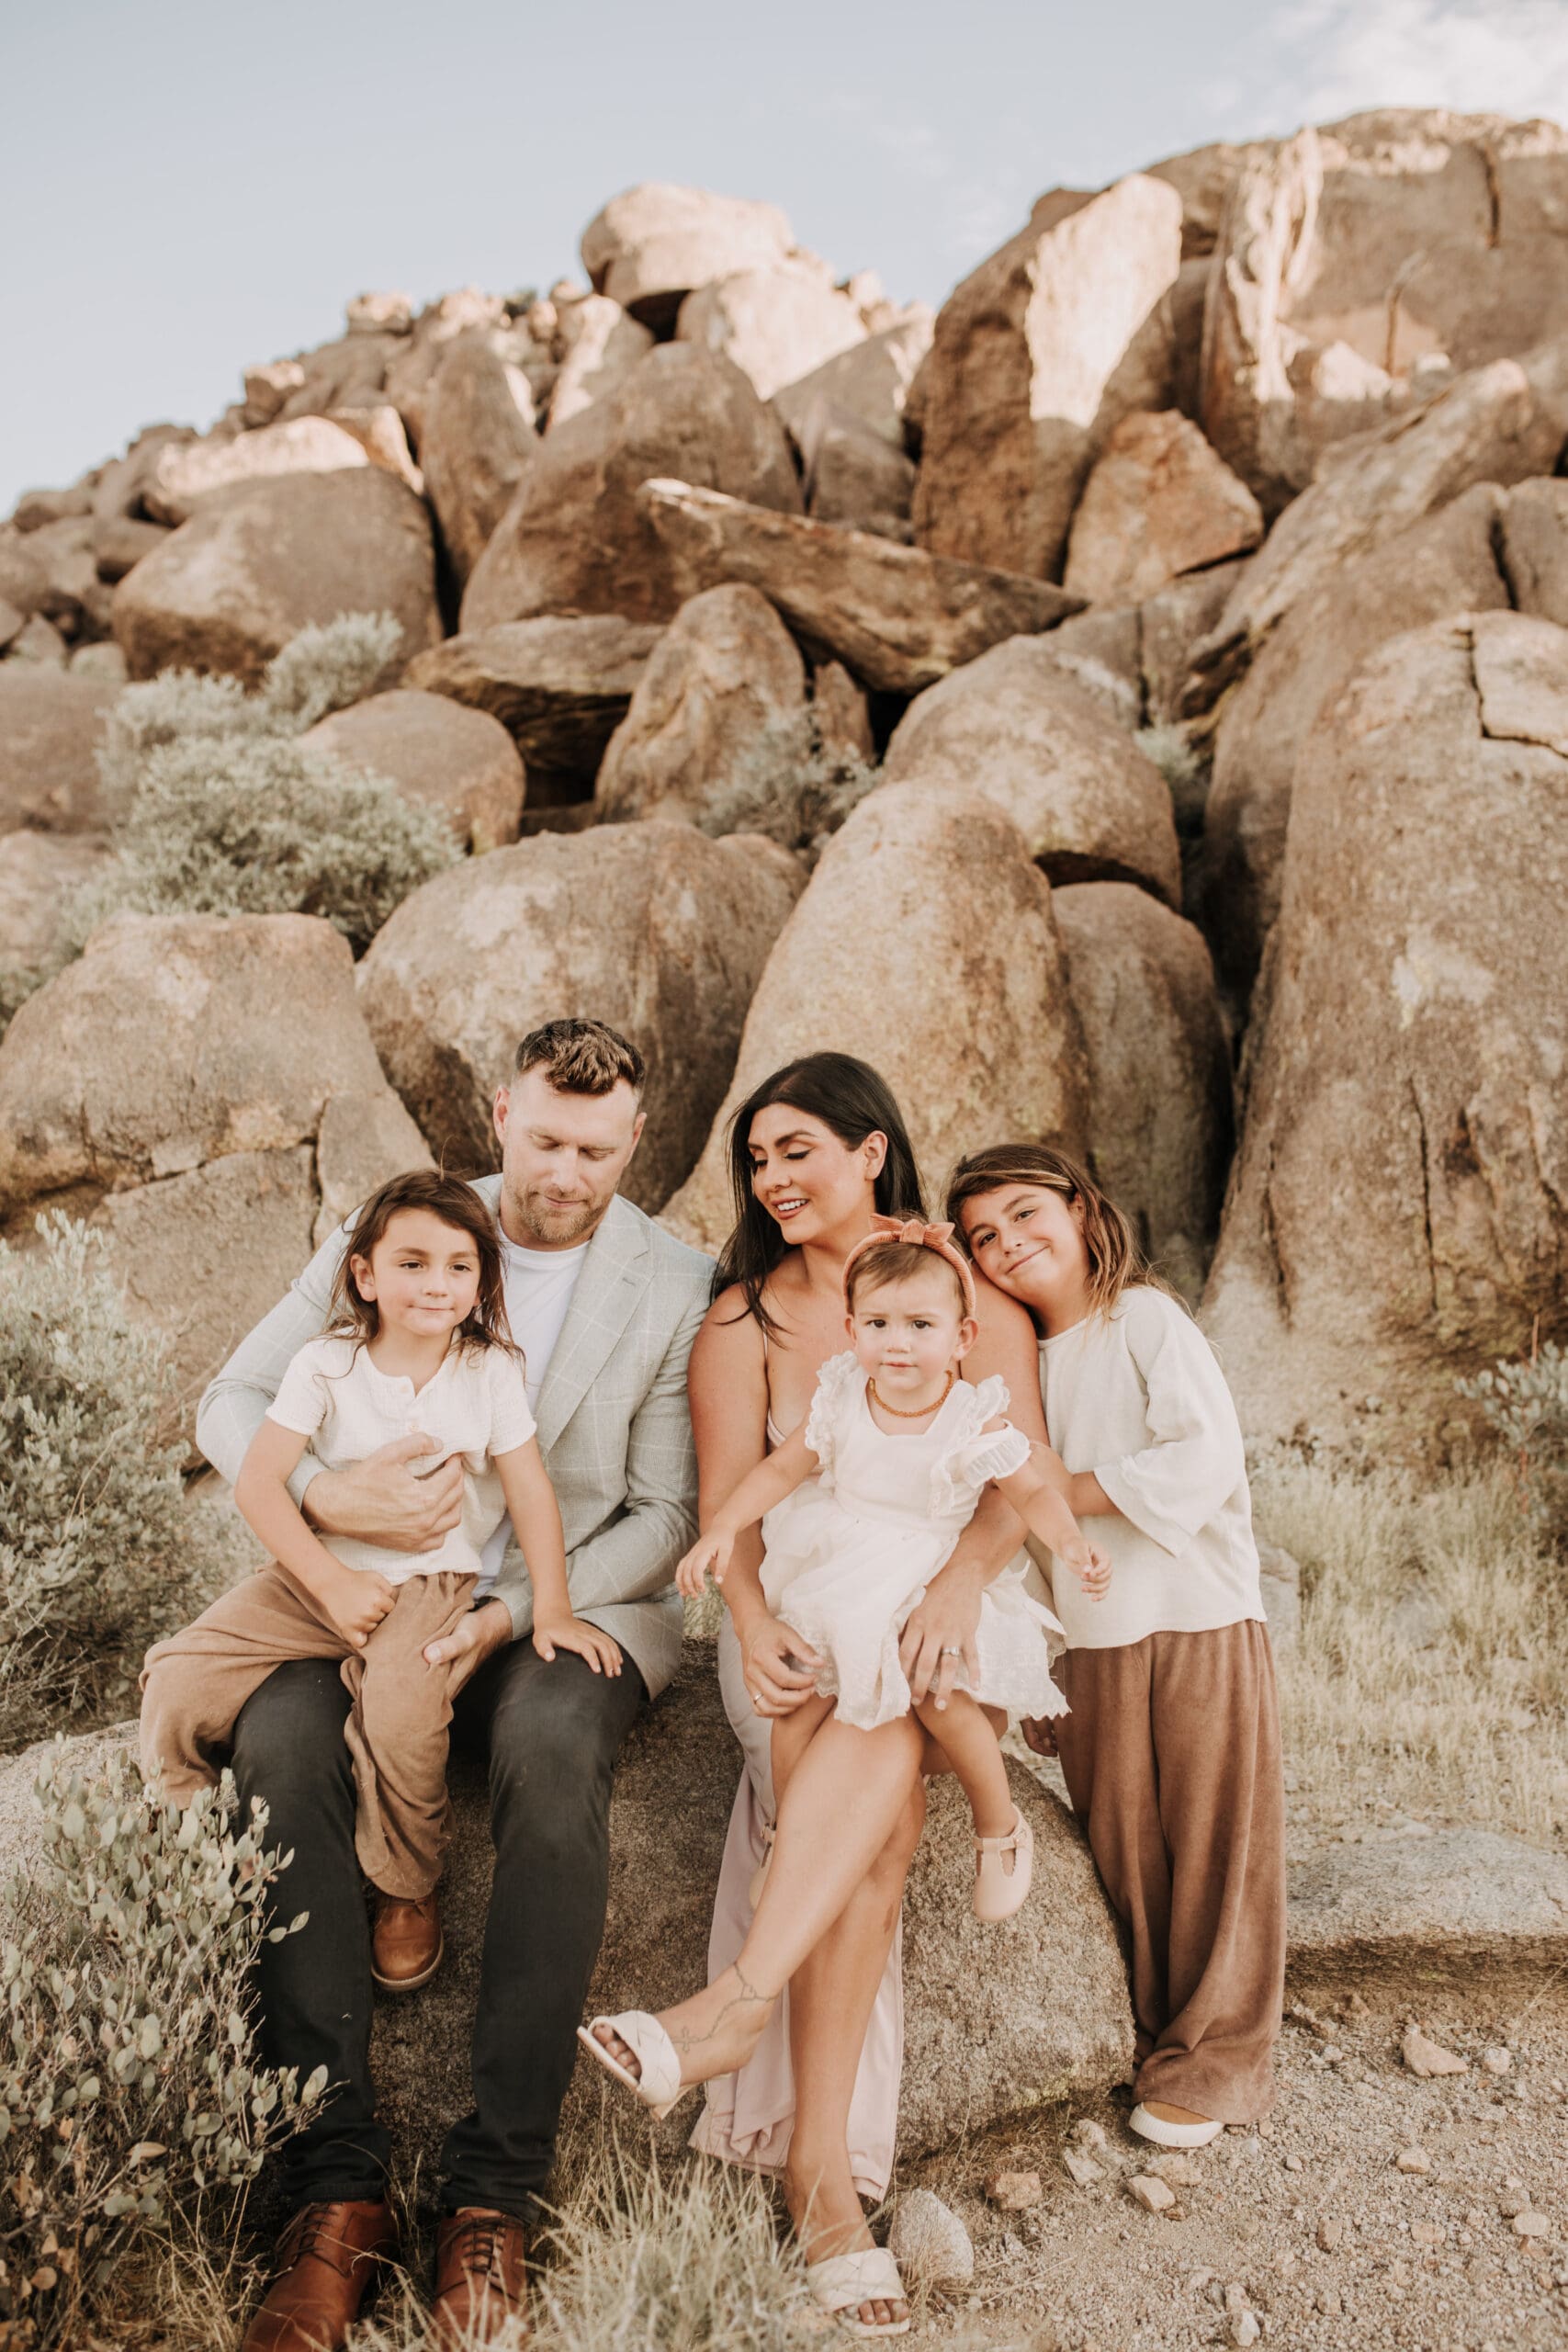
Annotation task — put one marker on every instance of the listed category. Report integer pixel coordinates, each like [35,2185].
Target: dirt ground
[1307,2232]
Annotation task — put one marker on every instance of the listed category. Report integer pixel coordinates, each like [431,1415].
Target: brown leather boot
[406,1945]
[327,2258]
[481,2281]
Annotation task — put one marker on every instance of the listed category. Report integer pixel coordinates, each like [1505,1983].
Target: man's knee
[554,1736]
[289,1745]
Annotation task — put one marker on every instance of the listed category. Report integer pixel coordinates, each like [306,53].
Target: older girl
[1171,1750]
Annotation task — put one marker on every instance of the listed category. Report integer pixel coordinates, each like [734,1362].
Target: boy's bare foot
[829,2219]
[713,2033]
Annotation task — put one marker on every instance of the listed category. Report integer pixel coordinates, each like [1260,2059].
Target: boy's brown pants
[193,1686]
[1171,1757]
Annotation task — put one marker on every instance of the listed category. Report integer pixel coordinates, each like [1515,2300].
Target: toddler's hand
[1040,1735]
[553,1634]
[710,1551]
[1093,1566]
[358,1603]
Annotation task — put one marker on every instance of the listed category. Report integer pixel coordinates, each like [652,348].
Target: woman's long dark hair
[852,1101]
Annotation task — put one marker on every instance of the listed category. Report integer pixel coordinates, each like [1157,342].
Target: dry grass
[1431,1675]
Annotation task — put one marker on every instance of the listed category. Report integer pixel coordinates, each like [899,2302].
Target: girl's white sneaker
[1172,2136]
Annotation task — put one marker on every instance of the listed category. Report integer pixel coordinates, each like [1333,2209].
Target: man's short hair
[582,1057]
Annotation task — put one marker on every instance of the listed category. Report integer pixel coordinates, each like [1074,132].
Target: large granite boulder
[230,587]
[1500,423]
[559,687]
[436,751]
[602,344]
[896,616]
[1444,564]
[1014,728]
[654,243]
[575,538]
[1159,502]
[1534,553]
[1396,1216]
[920,885]
[1159,1072]
[870,380]
[204,1088]
[725,678]
[478,441]
[52,727]
[39,875]
[1038,355]
[652,927]
[1361,264]
[183,474]
[776,321]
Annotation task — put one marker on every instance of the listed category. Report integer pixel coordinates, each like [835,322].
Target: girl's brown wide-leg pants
[193,1686]
[1172,1756]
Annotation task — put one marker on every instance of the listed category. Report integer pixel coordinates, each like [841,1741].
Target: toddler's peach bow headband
[938,1237]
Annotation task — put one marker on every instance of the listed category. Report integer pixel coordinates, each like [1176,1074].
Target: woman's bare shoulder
[730,1326]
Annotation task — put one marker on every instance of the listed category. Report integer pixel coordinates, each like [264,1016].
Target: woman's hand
[712,1551]
[781,1667]
[575,1633]
[1040,1734]
[356,1602]
[939,1634]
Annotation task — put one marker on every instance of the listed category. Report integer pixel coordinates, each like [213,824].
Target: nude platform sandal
[659,2087]
[841,2285]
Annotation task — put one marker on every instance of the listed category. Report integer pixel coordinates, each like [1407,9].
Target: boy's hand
[553,1634]
[357,1603]
[710,1551]
[1039,1734]
[1093,1564]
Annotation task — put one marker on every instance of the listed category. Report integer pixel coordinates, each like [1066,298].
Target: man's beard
[556,1221]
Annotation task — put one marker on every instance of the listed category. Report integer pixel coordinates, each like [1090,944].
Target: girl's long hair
[852,1101]
[1115,1261]
[350,1316]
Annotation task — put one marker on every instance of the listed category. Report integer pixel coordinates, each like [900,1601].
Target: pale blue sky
[191,188]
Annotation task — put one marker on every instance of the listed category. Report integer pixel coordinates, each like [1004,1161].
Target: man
[604,1307]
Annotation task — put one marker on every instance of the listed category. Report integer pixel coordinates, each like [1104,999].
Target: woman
[814,1152]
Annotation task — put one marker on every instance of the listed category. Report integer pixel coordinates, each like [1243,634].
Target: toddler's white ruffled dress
[849,1554]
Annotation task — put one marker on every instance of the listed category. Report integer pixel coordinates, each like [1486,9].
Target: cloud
[1331,58]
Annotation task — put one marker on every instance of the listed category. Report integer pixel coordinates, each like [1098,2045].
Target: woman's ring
[952,1651]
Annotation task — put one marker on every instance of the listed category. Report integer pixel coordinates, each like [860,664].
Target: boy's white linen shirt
[1137,1397]
[475,1405]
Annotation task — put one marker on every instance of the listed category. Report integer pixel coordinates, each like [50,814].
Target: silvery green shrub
[131,2096]
[789,785]
[1525,1404]
[98,1548]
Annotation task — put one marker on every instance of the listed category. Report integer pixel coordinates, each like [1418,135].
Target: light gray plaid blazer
[614,1425]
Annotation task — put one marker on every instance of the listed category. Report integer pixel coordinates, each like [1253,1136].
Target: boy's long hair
[1115,1261]
[350,1316]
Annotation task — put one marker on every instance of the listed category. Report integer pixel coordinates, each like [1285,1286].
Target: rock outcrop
[229,588]
[896,616]
[204,1088]
[724,681]
[1159,1072]
[1358,268]
[653,244]
[920,885]
[52,727]
[559,687]
[437,750]
[1159,502]
[1445,564]
[662,932]
[1396,1215]
[1037,357]
[1015,728]
[477,442]
[575,539]
[870,380]
[776,321]
[603,345]
[39,875]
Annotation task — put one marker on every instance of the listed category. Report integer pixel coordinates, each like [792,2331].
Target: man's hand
[381,1501]
[477,1636]
[940,1635]
[1040,1734]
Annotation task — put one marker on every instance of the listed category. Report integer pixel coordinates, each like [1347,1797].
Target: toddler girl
[898,1449]
[1172,1752]
[418,1340]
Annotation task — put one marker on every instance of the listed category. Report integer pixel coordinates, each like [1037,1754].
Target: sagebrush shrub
[100,1550]
[1525,1404]
[1168,747]
[130,2097]
[789,785]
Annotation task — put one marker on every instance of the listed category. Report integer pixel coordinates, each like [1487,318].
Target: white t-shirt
[475,1405]
[538,1285]
[1137,1397]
